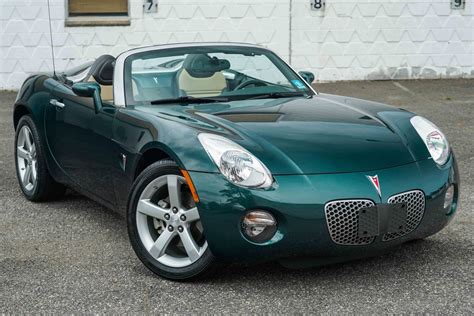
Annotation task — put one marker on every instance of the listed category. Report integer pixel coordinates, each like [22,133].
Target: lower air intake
[415,201]
[343,221]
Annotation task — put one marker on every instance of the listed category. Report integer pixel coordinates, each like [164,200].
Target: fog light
[449,196]
[259,226]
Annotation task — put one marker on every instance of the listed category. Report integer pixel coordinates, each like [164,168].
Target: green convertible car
[221,152]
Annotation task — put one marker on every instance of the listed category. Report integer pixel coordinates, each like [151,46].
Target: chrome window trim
[119,84]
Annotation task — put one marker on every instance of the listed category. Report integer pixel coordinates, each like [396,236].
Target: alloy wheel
[26,159]
[168,222]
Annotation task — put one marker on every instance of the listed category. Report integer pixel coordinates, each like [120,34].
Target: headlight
[433,138]
[235,163]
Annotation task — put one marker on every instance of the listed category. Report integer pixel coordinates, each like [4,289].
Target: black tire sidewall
[193,271]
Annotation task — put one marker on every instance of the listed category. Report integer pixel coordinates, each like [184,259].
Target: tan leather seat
[201,76]
[106,92]
[202,87]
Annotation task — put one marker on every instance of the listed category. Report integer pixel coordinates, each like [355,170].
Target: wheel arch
[19,111]
[149,156]
[156,151]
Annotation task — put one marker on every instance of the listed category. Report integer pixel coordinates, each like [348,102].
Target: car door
[80,141]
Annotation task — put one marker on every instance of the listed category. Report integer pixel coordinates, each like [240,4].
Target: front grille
[342,217]
[415,201]
[343,221]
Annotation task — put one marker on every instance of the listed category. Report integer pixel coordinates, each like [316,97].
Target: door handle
[57,103]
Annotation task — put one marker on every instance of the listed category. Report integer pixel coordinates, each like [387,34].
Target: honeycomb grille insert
[343,221]
[415,201]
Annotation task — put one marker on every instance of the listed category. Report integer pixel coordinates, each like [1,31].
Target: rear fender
[32,99]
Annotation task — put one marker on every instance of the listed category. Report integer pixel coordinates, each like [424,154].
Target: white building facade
[346,40]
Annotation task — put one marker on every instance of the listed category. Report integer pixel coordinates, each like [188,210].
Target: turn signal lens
[449,197]
[191,185]
[259,226]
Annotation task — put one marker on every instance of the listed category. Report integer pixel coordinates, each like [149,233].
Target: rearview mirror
[89,90]
[308,76]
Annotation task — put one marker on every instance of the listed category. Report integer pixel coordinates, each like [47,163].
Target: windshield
[219,73]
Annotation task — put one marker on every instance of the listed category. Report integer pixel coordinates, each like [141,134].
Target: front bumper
[298,203]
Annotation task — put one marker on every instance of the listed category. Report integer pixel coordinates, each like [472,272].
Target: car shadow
[74,197]
[409,260]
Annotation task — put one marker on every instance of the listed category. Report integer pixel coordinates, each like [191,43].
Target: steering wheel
[255,82]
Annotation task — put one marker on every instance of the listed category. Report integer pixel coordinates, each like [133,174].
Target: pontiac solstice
[222,152]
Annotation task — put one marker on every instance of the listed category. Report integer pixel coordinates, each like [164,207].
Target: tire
[31,162]
[170,245]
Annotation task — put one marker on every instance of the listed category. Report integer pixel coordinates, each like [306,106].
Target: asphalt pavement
[73,255]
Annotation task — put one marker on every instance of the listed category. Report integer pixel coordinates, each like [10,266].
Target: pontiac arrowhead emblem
[375,182]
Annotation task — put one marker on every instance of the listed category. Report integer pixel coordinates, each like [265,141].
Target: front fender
[138,132]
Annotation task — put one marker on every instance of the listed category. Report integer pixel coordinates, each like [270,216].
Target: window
[97,12]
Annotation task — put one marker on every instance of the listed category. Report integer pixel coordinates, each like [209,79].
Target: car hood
[325,134]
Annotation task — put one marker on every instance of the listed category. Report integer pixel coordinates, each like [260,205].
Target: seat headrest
[103,70]
[203,66]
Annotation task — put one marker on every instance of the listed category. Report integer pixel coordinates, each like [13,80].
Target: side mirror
[89,90]
[308,76]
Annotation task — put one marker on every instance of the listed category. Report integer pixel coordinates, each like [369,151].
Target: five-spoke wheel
[168,222]
[164,224]
[33,175]
[26,158]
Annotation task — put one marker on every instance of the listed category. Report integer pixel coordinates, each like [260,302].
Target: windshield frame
[121,78]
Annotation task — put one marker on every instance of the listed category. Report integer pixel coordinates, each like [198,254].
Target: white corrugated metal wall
[350,40]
